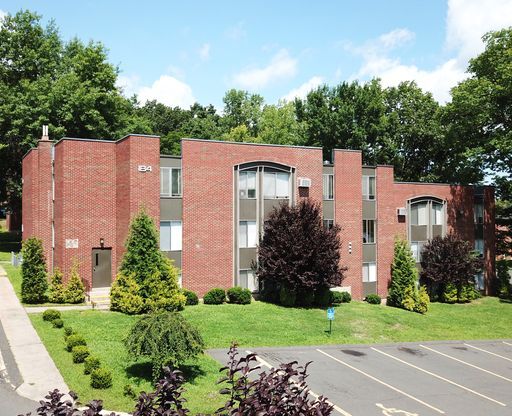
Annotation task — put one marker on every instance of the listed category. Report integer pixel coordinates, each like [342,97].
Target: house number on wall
[144,168]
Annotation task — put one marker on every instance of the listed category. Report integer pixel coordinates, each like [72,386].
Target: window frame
[254,276]
[246,240]
[419,249]
[329,195]
[367,265]
[366,181]
[329,222]
[170,172]
[366,231]
[170,224]
[247,189]
[275,195]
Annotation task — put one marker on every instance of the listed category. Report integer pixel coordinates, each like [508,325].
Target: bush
[423,302]
[91,363]
[74,340]
[166,338]
[340,297]
[323,297]
[50,315]
[34,282]
[58,323]
[163,293]
[305,298]
[373,298]
[67,332]
[80,353]
[239,296]
[74,291]
[56,292]
[125,295]
[404,274]
[191,297]
[465,294]
[287,297]
[215,297]
[101,378]
[292,229]
[129,391]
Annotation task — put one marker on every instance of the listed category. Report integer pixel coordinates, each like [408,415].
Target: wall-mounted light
[102,242]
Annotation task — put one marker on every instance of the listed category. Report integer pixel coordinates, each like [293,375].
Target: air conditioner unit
[401,212]
[304,183]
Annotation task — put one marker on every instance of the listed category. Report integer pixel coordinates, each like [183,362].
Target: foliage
[242,108]
[57,323]
[404,274]
[166,338]
[74,291]
[346,297]
[80,353]
[192,298]
[503,275]
[323,296]
[451,294]
[124,295]
[101,378]
[68,331]
[239,295]
[56,292]
[91,363]
[33,271]
[305,298]
[423,302]
[449,260]
[296,252]
[281,391]
[373,299]
[50,315]
[74,340]
[163,290]
[287,296]
[215,296]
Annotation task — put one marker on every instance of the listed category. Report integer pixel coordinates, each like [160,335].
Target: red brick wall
[489,240]
[29,196]
[207,169]
[349,215]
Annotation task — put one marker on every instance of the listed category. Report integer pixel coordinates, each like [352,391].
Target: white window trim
[247,242]
[329,195]
[275,196]
[374,231]
[173,244]
[169,174]
[366,181]
[368,264]
[245,172]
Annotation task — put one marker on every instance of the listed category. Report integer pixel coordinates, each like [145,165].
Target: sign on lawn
[330,314]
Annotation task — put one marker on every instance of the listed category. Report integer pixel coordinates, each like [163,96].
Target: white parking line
[316,396]
[507,343]
[382,382]
[466,363]
[439,377]
[489,352]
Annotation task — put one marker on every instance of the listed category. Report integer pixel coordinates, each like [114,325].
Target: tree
[34,281]
[449,261]
[296,253]
[404,275]
[56,288]
[242,108]
[278,125]
[74,291]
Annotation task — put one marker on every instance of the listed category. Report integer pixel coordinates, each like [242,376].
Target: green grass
[8,242]
[14,275]
[261,324]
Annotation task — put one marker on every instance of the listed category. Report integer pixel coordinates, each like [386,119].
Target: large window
[419,214]
[247,184]
[416,249]
[170,235]
[170,181]
[369,272]
[248,280]
[478,210]
[328,186]
[276,185]
[437,213]
[368,231]
[368,187]
[328,224]
[247,234]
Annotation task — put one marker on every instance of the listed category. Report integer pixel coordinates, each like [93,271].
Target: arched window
[427,219]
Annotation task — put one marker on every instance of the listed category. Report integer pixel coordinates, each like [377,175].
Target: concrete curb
[35,365]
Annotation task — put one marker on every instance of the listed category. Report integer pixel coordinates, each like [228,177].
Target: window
[247,235]
[437,214]
[170,181]
[248,280]
[416,248]
[328,186]
[368,231]
[369,272]
[479,212]
[328,224]
[419,214]
[368,187]
[479,246]
[170,235]
[276,185]
[479,281]
[247,184]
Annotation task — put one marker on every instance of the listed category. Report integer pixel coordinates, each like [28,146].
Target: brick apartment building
[79,196]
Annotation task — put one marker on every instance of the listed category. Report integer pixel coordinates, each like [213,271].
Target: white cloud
[467,21]
[281,66]
[169,91]
[302,90]
[2,15]
[204,52]
[128,84]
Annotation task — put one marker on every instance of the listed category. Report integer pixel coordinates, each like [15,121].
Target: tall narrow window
[419,214]
[479,246]
[416,248]
[276,185]
[328,224]
[479,212]
[170,235]
[437,214]
[247,234]
[170,181]
[369,272]
[247,184]
[328,186]
[368,231]
[368,187]
[248,280]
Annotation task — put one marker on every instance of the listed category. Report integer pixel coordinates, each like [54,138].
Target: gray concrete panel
[247,255]
[171,209]
[170,162]
[175,256]
[419,233]
[328,209]
[369,210]
[369,253]
[248,209]
[369,287]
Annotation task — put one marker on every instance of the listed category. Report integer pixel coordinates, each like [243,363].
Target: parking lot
[428,378]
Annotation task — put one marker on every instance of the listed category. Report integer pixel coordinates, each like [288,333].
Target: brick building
[79,196]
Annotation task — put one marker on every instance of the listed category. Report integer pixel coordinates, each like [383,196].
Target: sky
[182,52]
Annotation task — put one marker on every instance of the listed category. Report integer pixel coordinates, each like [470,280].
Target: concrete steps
[99,298]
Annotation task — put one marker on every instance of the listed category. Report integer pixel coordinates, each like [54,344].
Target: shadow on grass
[505,300]
[143,371]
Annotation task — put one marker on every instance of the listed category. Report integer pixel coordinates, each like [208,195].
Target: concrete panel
[247,209]
[369,252]
[328,210]
[437,231]
[174,255]
[368,171]
[170,161]
[369,287]
[247,255]
[369,211]
[328,169]
[419,233]
[171,209]
[269,204]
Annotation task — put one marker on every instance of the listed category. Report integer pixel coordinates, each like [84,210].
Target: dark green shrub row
[192,298]
[50,315]
[80,353]
[239,296]
[58,323]
[101,378]
[373,298]
[91,363]
[74,340]
[215,296]
[340,297]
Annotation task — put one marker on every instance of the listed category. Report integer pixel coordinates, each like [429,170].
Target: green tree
[404,274]
[33,272]
[74,291]
[242,108]
[56,288]
[278,125]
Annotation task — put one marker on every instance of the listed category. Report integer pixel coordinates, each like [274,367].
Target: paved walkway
[36,368]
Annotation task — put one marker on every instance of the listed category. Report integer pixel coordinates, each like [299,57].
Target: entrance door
[101,267]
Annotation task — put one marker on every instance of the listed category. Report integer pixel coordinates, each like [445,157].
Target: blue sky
[181,52]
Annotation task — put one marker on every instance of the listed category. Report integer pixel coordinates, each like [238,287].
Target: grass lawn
[261,324]
[8,242]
